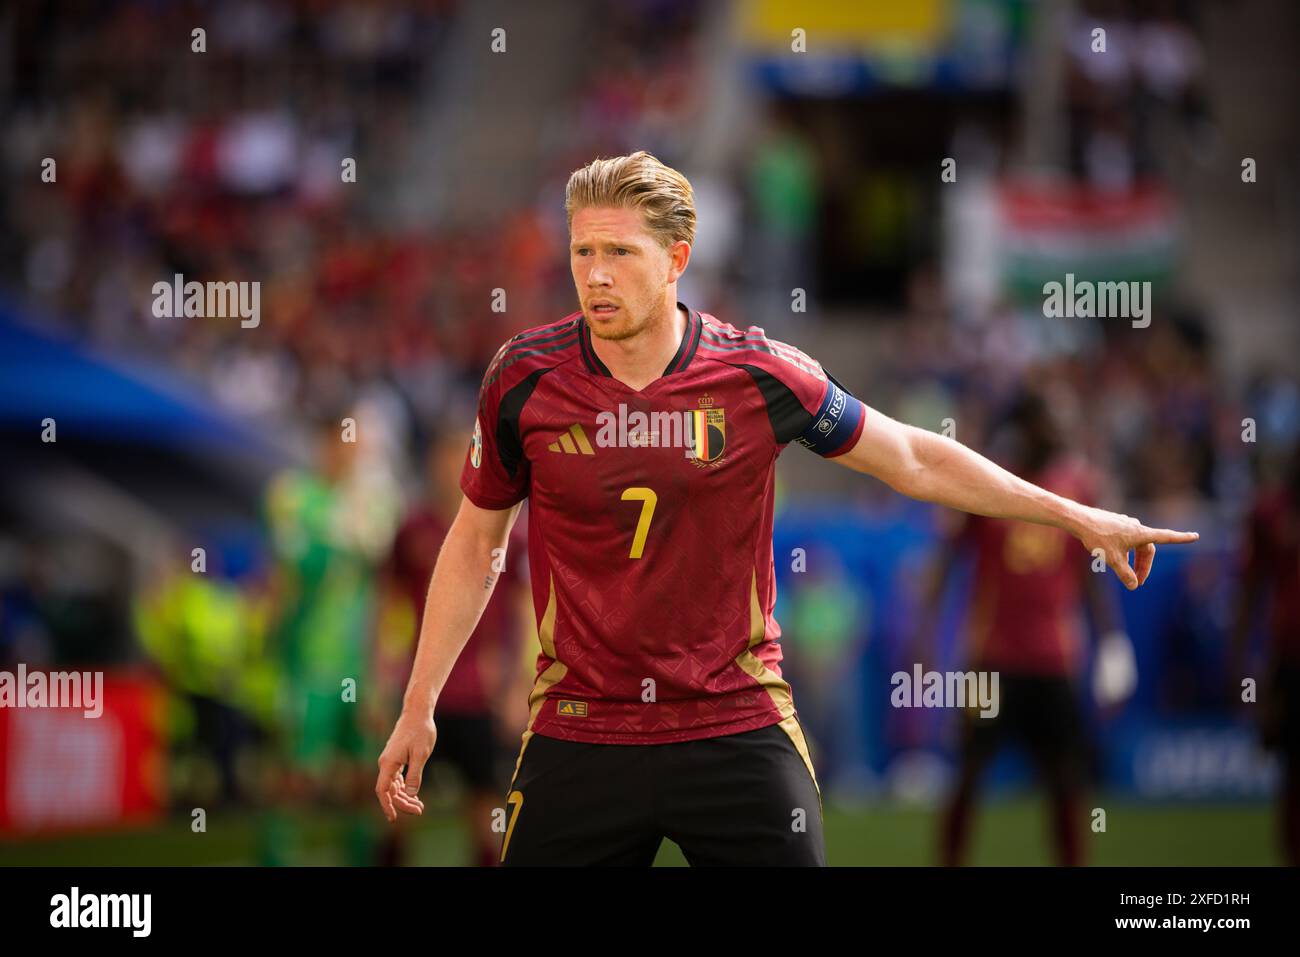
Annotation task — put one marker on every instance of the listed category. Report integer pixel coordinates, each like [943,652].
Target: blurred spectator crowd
[228,165]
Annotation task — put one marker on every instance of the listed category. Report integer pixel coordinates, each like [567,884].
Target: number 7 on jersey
[648,499]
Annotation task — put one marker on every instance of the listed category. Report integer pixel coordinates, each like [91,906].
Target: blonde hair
[641,182]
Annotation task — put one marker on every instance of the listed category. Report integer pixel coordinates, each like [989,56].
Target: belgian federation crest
[707,434]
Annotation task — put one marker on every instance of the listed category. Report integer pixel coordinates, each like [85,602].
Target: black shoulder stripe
[790,354]
[535,336]
[518,354]
[531,338]
[784,410]
[510,444]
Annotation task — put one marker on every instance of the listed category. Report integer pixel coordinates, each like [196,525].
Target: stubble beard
[629,327]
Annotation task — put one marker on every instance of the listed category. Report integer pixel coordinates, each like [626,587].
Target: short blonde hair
[638,181]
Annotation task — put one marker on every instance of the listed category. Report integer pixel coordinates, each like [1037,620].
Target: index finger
[1166,536]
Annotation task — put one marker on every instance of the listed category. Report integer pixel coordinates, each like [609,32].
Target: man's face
[621,272]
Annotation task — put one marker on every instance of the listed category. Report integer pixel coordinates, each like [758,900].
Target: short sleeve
[805,403]
[496,472]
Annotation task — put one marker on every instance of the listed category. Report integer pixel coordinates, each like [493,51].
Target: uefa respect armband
[837,424]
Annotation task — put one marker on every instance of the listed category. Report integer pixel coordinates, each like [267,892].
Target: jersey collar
[685,351]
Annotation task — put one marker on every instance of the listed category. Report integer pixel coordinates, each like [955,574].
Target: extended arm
[929,467]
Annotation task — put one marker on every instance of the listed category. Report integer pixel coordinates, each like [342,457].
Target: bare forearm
[941,470]
[927,466]
[462,583]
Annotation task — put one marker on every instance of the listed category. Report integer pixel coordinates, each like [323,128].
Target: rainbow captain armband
[838,423]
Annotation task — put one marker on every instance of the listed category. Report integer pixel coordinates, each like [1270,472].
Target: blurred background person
[1269,588]
[1025,625]
[827,630]
[325,525]
[206,631]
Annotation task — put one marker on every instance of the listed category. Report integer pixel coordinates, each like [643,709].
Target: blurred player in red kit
[644,435]
[1025,623]
[1270,574]
[486,690]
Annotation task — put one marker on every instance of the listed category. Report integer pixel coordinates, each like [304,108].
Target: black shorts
[741,799]
[468,742]
[1039,712]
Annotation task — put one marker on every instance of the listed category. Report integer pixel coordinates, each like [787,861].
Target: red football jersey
[1025,617]
[650,523]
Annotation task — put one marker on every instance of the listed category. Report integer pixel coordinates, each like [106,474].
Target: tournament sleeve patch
[836,425]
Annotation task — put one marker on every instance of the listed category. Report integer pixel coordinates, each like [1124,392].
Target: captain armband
[838,423]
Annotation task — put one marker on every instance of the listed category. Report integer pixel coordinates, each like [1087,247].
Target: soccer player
[644,435]
[1270,571]
[1030,582]
[326,526]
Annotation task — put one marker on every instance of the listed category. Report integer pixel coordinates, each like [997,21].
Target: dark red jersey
[410,566]
[1026,611]
[1271,555]
[650,523]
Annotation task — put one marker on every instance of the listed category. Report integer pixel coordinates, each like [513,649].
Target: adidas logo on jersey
[701,433]
[572,442]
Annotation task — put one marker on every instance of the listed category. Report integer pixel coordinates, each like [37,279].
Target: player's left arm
[927,466]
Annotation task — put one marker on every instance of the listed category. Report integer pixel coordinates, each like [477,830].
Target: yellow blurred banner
[768,23]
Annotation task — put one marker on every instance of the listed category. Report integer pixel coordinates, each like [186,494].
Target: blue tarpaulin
[44,374]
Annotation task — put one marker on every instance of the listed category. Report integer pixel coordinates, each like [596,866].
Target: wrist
[419,704]
[1072,517]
